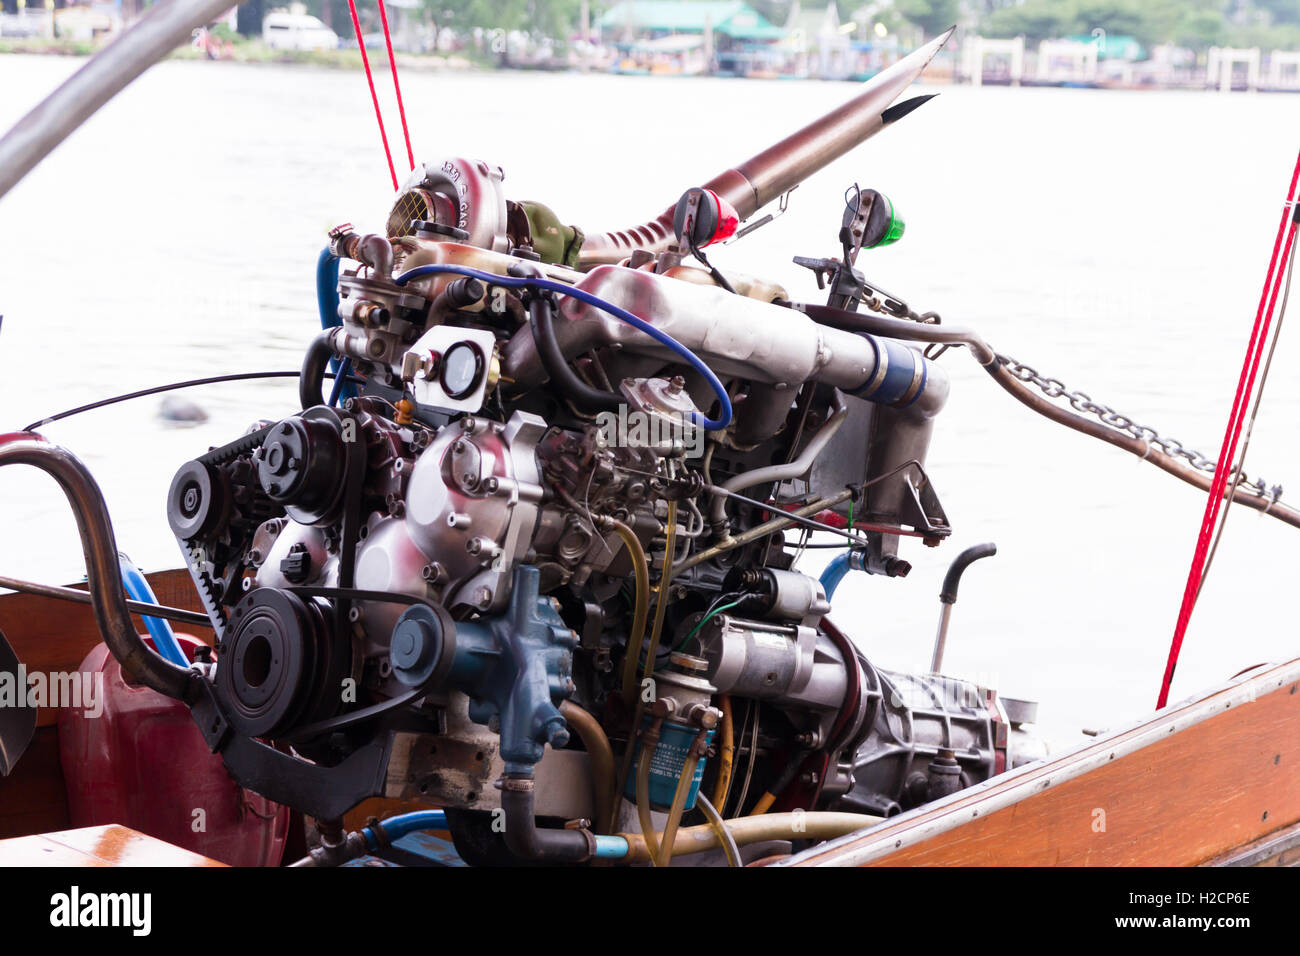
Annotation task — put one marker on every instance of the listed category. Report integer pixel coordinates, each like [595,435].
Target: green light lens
[896,227]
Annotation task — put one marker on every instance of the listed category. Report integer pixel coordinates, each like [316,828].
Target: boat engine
[531,556]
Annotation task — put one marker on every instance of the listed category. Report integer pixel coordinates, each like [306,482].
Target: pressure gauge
[461,369]
[465,370]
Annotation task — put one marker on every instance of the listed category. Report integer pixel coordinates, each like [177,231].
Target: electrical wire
[595,301]
[174,386]
[718,277]
[340,381]
[753,758]
[710,615]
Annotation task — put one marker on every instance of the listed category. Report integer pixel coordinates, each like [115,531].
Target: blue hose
[341,381]
[582,295]
[840,565]
[607,847]
[611,848]
[327,303]
[137,589]
[399,826]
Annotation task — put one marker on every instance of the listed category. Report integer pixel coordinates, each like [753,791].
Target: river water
[1117,240]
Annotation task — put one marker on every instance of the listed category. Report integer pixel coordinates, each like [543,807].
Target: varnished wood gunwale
[1182,787]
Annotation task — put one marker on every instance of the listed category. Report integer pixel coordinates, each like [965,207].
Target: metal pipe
[601,754]
[166,26]
[940,638]
[779,168]
[781,473]
[83,597]
[1136,446]
[104,577]
[987,357]
[901,329]
[948,595]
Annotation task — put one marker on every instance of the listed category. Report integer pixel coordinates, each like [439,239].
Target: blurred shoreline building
[816,43]
[723,37]
[816,39]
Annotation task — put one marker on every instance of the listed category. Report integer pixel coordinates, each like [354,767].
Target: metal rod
[794,516]
[940,639]
[768,527]
[83,597]
[166,26]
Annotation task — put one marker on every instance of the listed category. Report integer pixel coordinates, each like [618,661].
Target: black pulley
[300,465]
[278,664]
[197,503]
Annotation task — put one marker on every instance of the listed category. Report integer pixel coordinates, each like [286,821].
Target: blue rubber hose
[327,303]
[840,565]
[399,826]
[164,639]
[611,847]
[595,301]
[341,382]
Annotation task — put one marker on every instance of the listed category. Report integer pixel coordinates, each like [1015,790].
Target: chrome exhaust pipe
[779,168]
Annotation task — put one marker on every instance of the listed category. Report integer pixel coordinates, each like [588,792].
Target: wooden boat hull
[1213,779]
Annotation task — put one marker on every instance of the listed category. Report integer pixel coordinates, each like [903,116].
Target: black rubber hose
[314,363]
[787,773]
[526,841]
[958,567]
[541,317]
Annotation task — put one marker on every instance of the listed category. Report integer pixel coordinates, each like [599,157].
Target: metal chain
[1054,388]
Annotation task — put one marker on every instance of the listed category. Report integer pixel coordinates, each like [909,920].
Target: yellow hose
[799,825]
[632,693]
[665,854]
[661,594]
[764,804]
[719,826]
[726,755]
[649,742]
[640,609]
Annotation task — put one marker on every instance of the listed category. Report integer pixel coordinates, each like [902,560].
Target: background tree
[932,16]
[248,19]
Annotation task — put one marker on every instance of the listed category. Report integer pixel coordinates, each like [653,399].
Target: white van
[297,31]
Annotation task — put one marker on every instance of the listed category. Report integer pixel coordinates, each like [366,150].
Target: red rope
[1236,418]
[374,98]
[392,65]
